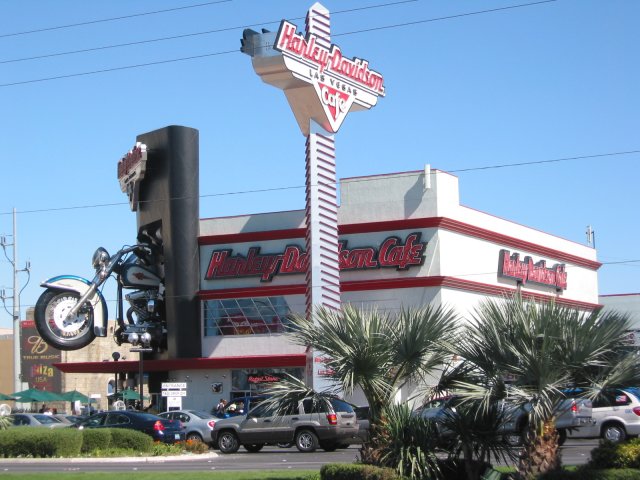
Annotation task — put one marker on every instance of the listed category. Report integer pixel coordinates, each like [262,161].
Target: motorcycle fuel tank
[137,276]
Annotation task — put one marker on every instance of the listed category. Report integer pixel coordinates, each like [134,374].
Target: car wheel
[228,442]
[306,441]
[614,433]
[253,447]
[194,437]
[562,436]
[329,446]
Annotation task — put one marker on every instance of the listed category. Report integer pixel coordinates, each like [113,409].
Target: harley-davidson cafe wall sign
[393,252]
[526,271]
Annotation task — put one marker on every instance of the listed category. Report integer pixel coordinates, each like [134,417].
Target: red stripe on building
[412,223]
[255,361]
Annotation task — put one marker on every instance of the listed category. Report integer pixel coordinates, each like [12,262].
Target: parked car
[571,414]
[160,429]
[36,420]
[196,424]
[69,419]
[616,416]
[309,424]
[362,417]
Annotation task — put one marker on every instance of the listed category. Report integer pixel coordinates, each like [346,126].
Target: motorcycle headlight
[100,258]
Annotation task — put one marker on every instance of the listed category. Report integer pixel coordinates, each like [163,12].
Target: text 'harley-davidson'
[72,311]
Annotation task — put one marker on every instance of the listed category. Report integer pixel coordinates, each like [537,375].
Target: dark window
[94,421]
[340,406]
[315,405]
[117,419]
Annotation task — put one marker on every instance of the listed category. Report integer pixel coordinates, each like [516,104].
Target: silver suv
[616,416]
[309,424]
[571,414]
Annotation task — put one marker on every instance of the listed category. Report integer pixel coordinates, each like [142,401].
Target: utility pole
[16,301]
[591,236]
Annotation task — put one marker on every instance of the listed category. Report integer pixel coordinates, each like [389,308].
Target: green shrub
[610,455]
[126,438]
[347,471]
[95,439]
[162,449]
[68,442]
[40,442]
[5,422]
[454,468]
[8,443]
[407,443]
[196,446]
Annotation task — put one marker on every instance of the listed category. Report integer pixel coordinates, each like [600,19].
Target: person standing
[219,410]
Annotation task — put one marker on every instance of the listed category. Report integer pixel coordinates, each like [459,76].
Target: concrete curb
[158,459]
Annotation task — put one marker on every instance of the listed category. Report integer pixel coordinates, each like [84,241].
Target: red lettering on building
[391,253]
[262,379]
[528,272]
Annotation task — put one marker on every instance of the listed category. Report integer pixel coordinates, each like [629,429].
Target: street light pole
[116,357]
[141,371]
[16,311]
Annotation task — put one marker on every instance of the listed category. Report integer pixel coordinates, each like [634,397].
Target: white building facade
[405,241]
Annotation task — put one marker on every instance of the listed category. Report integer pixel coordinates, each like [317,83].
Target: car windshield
[46,419]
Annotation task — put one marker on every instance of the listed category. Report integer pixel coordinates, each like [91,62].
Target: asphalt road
[575,452]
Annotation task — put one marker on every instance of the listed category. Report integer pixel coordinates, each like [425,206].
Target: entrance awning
[255,361]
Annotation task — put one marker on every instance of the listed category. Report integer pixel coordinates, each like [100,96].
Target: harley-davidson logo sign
[525,271]
[131,170]
[392,252]
[338,81]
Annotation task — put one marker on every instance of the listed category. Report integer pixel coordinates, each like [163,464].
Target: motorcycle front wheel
[53,325]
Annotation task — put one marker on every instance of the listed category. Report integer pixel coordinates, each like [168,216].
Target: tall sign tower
[321,86]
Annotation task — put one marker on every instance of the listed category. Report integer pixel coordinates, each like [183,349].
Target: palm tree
[377,352]
[531,353]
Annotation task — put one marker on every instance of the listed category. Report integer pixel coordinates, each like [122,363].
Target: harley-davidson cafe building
[404,241]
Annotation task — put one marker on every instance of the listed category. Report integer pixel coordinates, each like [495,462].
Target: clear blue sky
[535,83]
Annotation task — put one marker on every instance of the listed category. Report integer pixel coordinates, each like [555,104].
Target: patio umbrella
[6,397]
[128,394]
[75,396]
[35,395]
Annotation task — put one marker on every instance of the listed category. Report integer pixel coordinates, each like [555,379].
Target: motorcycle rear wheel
[50,314]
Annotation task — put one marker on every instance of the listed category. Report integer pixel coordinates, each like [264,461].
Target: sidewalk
[157,459]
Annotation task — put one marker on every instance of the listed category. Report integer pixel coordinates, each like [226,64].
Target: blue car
[160,429]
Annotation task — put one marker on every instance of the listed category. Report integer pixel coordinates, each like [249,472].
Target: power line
[194,57]
[291,187]
[193,34]
[621,262]
[543,161]
[112,19]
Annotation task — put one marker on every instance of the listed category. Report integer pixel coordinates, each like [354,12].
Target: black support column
[169,199]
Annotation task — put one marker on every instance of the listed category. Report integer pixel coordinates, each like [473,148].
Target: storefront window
[245,316]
